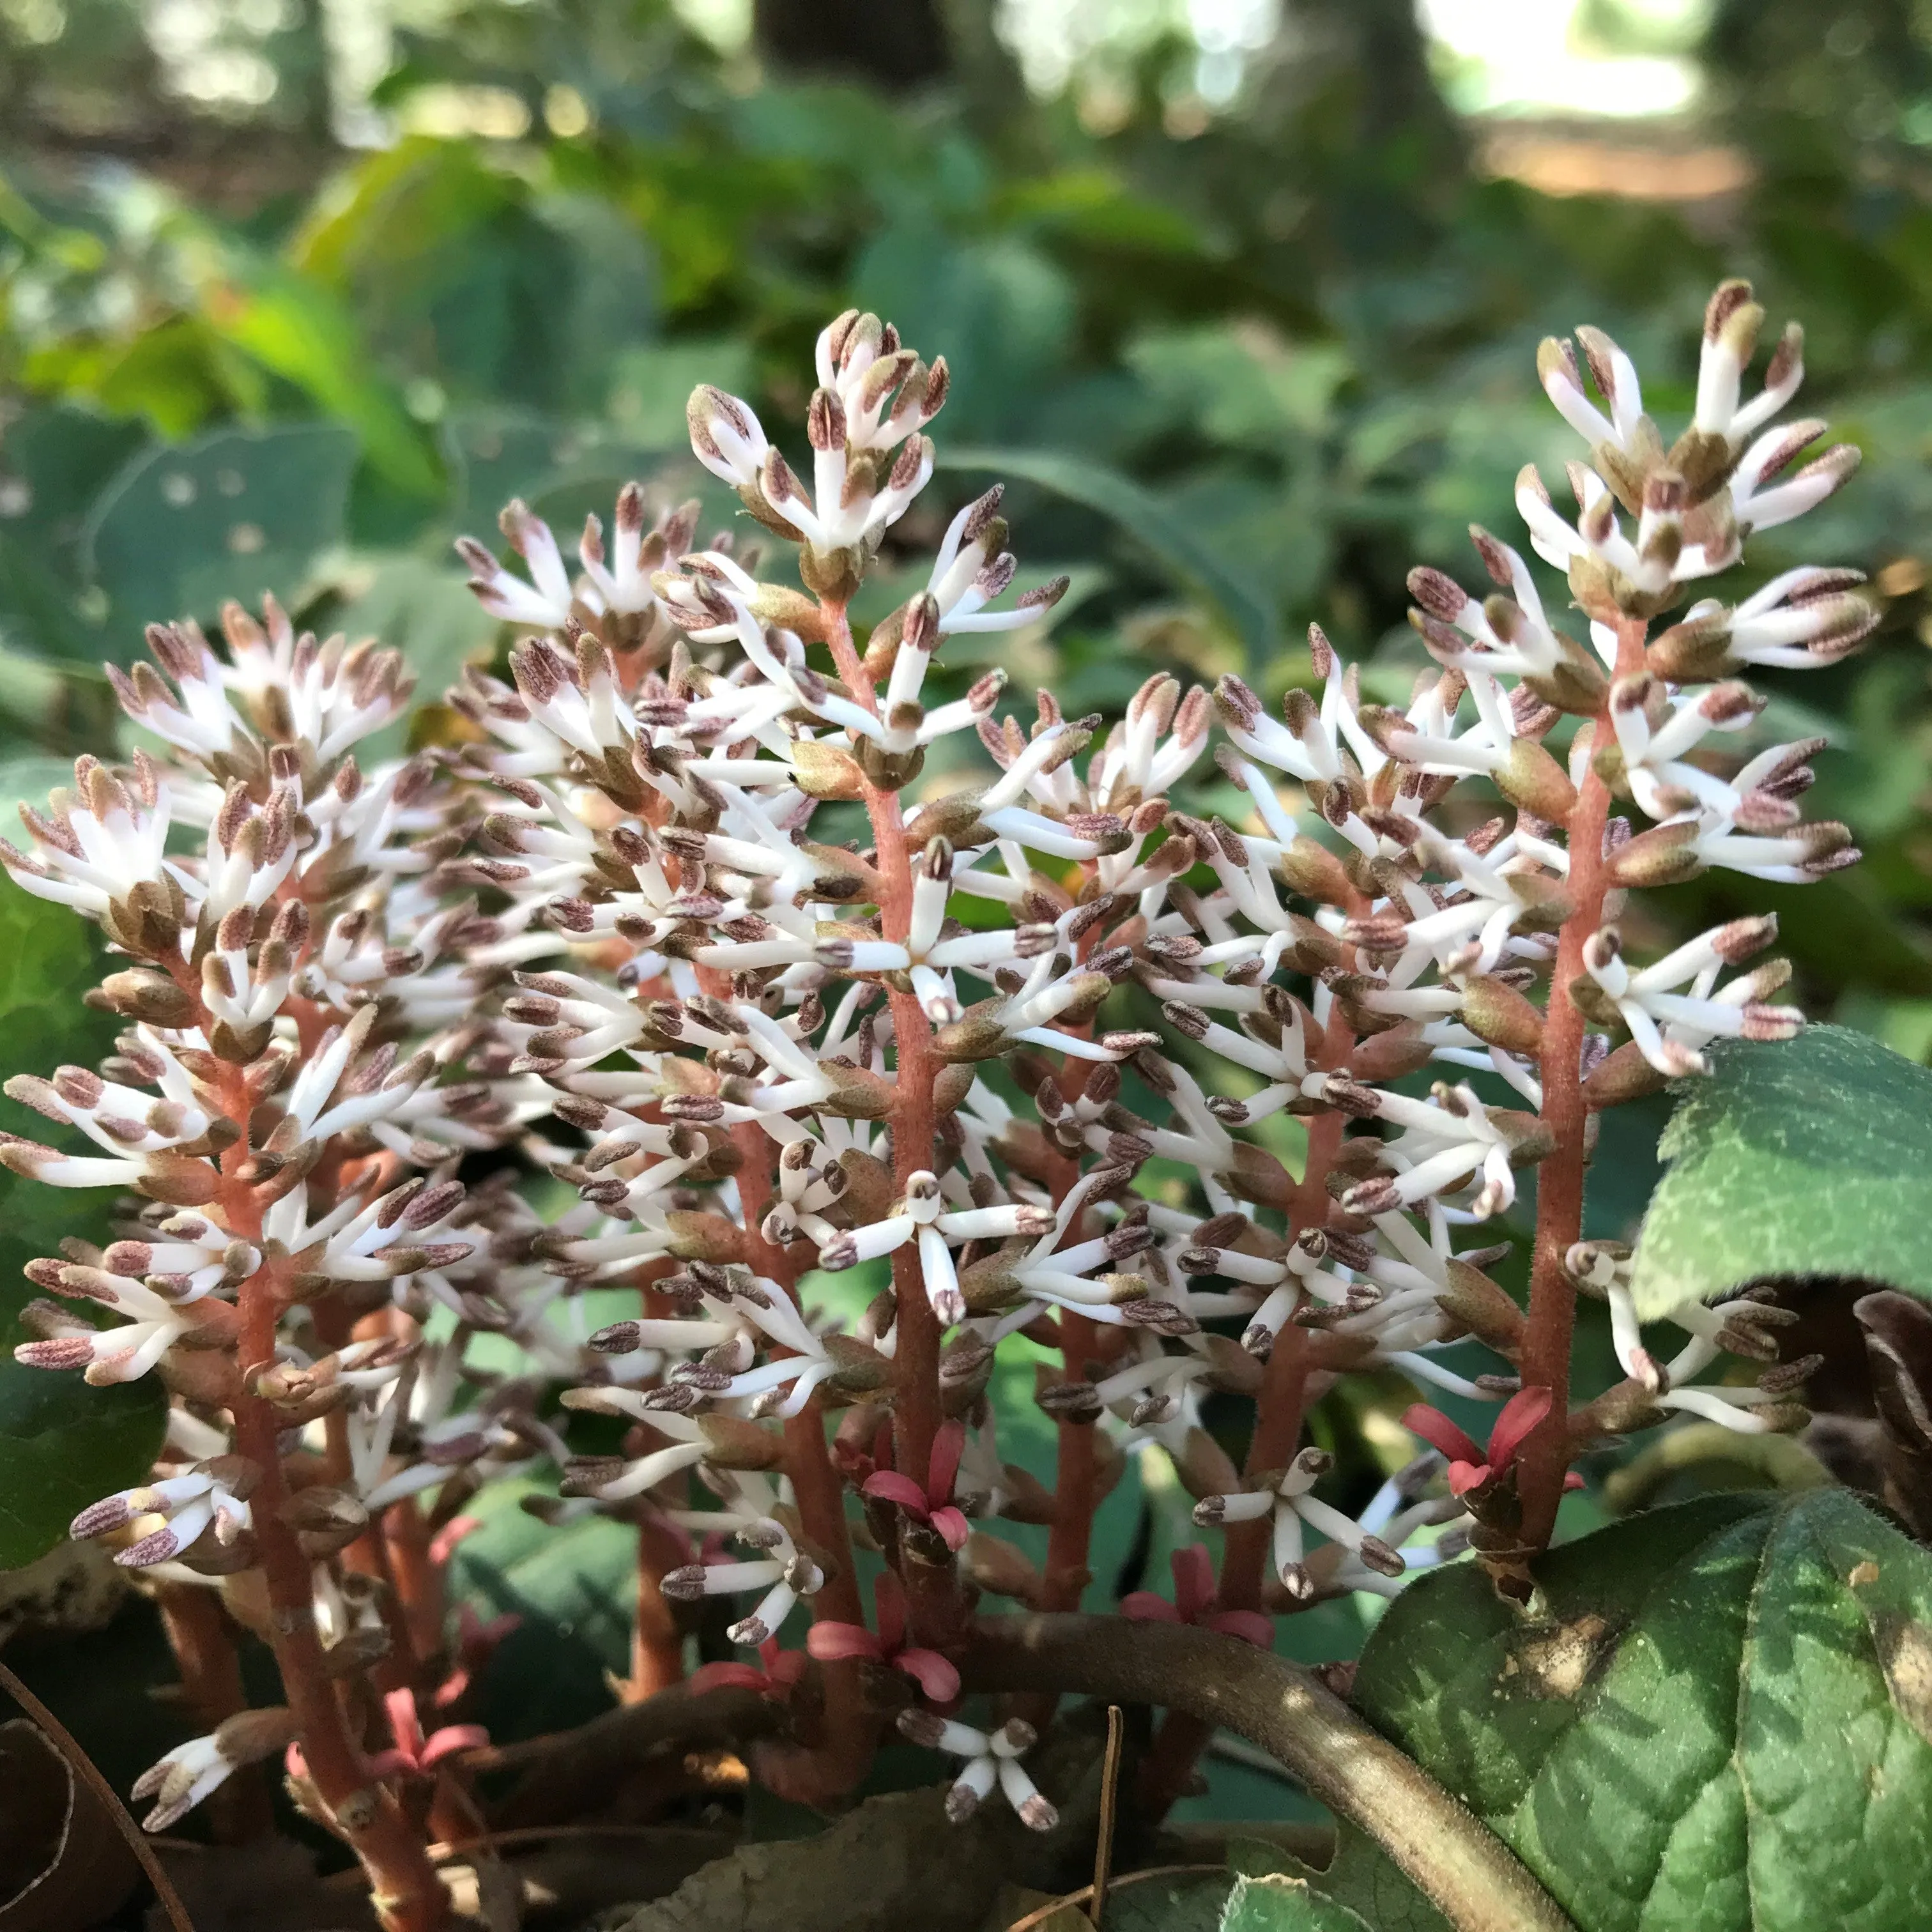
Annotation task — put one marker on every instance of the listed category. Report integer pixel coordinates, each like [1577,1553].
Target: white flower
[184,1776]
[214,1493]
[1669,1026]
[992,1759]
[785,1575]
[1289,1502]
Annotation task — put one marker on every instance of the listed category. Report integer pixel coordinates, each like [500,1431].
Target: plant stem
[1467,1872]
[1545,1363]
[199,1633]
[1076,1479]
[1279,1409]
[407,1893]
[85,1769]
[933,1602]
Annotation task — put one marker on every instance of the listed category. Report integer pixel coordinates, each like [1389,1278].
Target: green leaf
[1362,1877]
[575,1589]
[291,325]
[63,1444]
[1149,522]
[1280,1904]
[1714,1718]
[1810,1157]
[564,471]
[1175,1901]
[237,513]
[650,386]
[27,780]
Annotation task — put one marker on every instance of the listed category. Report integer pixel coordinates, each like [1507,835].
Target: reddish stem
[845,1751]
[1076,1488]
[406,1893]
[1544,1460]
[1169,1767]
[932,1595]
[203,1639]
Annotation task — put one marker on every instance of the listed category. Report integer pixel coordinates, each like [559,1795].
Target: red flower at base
[1194,1602]
[414,1756]
[775,1675]
[932,1504]
[835,1643]
[1469,1467]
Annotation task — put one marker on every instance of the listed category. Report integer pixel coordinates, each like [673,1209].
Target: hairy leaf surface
[1715,1717]
[1810,1157]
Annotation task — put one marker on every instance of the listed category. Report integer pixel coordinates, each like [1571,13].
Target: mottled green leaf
[1362,1877]
[1176,1901]
[1712,1718]
[62,1444]
[239,513]
[1810,1157]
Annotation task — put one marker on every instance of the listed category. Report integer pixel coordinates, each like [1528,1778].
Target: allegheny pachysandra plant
[708,954]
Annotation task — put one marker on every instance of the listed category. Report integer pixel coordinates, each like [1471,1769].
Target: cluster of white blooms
[1021,1037]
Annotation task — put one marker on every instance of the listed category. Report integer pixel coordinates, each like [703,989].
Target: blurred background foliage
[1241,296]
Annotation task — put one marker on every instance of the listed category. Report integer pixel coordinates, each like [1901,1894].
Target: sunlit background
[1242,295]
[1606,59]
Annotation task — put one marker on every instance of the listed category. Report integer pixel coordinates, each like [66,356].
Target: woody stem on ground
[1544,1459]
[933,1598]
[1470,1876]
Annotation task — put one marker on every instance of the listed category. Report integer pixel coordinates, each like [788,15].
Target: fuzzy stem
[1467,1872]
[1545,1458]
[1076,1488]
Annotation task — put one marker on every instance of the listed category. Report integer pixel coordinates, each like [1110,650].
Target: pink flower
[833,1643]
[1469,1467]
[476,1643]
[442,1545]
[775,1675]
[415,1755]
[933,1505]
[1194,1601]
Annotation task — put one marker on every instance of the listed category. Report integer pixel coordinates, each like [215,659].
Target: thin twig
[85,1769]
[1110,1793]
[1040,1916]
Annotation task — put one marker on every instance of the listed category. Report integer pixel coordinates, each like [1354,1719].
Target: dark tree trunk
[896,44]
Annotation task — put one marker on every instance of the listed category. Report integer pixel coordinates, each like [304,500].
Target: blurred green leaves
[240,513]
[62,1444]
